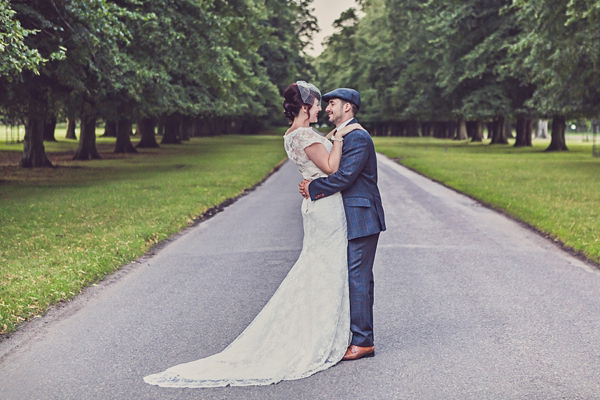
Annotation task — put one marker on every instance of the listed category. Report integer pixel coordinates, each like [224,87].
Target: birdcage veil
[305,89]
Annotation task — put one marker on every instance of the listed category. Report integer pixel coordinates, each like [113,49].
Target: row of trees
[195,66]
[446,67]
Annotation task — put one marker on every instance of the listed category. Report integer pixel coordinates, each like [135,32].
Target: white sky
[326,12]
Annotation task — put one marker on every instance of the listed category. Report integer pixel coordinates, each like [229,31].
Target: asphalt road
[469,305]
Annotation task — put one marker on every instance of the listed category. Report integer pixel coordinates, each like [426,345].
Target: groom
[356,179]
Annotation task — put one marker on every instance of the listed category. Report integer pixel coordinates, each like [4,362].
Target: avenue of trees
[180,68]
[447,68]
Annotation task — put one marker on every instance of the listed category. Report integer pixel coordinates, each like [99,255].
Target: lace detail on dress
[296,141]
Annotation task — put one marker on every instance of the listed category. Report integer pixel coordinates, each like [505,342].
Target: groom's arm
[355,154]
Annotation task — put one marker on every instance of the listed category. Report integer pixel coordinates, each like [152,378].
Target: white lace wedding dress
[305,326]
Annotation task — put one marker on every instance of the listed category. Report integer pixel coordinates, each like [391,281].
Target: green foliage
[470,59]
[80,41]
[336,65]
[15,55]
[561,52]
[290,26]
[115,59]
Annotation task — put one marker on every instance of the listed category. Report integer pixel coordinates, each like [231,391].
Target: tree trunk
[87,140]
[498,131]
[490,129]
[461,132]
[205,128]
[386,130]
[426,129]
[186,128]
[395,129]
[541,130]
[160,129]
[508,129]
[439,129]
[558,142]
[524,126]
[50,128]
[250,126]
[390,128]
[172,126]
[475,130]
[450,129]
[529,132]
[375,129]
[412,128]
[595,146]
[145,127]
[227,126]
[199,127]
[34,154]
[123,144]
[110,129]
[71,124]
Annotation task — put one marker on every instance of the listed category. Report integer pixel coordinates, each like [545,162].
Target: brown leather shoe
[356,352]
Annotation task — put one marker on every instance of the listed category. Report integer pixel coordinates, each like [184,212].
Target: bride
[305,326]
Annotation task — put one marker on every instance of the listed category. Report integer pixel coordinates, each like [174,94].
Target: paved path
[469,305]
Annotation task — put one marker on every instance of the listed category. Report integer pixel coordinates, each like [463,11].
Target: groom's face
[335,110]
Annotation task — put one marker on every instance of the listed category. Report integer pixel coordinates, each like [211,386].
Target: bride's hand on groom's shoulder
[348,128]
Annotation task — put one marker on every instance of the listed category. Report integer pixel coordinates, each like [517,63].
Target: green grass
[557,192]
[64,228]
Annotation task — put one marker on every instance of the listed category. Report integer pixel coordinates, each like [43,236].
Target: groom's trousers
[361,255]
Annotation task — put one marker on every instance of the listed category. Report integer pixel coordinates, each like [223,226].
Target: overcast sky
[326,12]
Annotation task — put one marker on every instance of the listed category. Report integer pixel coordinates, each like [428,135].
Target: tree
[15,55]
[290,27]
[71,125]
[561,52]
[123,143]
[79,42]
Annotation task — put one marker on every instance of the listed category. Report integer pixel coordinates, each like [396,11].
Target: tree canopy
[217,65]
[451,61]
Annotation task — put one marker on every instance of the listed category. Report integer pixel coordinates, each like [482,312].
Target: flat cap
[347,94]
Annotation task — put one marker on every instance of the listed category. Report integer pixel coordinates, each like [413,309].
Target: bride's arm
[326,162]
[317,153]
[345,130]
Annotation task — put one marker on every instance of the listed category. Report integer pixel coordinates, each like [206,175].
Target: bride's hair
[292,101]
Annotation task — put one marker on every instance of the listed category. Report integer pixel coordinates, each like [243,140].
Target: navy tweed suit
[356,179]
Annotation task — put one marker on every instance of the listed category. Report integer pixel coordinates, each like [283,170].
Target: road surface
[469,305]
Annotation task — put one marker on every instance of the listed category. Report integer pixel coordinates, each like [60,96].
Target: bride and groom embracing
[322,312]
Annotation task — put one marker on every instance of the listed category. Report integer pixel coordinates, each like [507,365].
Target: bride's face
[313,113]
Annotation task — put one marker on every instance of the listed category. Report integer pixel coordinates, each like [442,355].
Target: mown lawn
[558,192]
[67,227]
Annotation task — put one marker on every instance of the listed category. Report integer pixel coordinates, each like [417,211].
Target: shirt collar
[343,124]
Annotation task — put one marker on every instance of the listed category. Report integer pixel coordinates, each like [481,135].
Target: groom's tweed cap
[350,95]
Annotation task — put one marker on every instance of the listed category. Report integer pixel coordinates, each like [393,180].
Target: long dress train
[305,326]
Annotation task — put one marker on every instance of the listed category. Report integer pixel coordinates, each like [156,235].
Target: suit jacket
[356,179]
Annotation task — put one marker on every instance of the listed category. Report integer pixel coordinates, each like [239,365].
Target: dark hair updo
[292,101]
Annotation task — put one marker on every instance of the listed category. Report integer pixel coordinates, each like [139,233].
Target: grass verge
[557,192]
[64,228]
